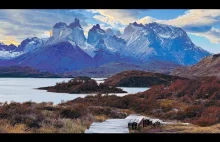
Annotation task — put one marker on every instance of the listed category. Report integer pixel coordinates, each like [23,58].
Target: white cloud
[196,18]
[92,10]
[116,18]
[147,19]
[212,35]
[21,24]
[9,40]
[121,15]
[191,17]
[107,20]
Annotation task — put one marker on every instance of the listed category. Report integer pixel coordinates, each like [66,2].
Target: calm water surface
[23,89]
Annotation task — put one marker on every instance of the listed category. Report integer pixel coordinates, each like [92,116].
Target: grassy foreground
[32,117]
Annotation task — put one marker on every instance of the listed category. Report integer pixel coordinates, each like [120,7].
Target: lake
[23,89]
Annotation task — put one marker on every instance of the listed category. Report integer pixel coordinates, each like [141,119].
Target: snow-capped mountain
[30,44]
[161,42]
[105,54]
[8,51]
[72,33]
[7,55]
[77,34]
[95,34]
[58,58]
[62,32]
[107,46]
[67,49]
[111,50]
[112,32]
[10,47]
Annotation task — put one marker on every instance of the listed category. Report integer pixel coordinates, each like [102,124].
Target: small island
[82,85]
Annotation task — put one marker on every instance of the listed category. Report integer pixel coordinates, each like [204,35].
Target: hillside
[17,71]
[135,78]
[191,101]
[209,66]
[110,69]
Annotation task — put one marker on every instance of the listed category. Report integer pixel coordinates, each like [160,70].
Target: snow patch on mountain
[139,43]
[163,42]
[95,34]
[63,32]
[6,55]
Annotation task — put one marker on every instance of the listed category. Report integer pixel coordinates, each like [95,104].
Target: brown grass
[100,118]
[191,129]
[180,128]
[5,127]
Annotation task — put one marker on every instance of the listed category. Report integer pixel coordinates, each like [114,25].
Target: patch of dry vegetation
[179,128]
[82,85]
[32,117]
[192,101]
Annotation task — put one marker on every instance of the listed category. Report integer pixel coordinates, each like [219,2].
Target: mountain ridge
[138,44]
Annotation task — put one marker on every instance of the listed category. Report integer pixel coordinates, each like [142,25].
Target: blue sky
[202,26]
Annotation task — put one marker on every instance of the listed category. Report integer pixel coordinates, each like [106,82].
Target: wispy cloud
[17,25]
[92,10]
[22,24]
[197,22]
[116,18]
[213,35]
[124,16]
[9,40]
[107,20]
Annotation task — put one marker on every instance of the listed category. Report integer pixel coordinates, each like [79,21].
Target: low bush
[69,113]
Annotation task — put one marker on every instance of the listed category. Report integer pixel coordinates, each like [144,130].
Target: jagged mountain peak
[62,33]
[97,28]
[74,24]
[95,34]
[168,30]
[139,43]
[159,41]
[60,25]
[29,44]
[28,40]
[138,25]
[109,31]
[112,32]
[1,43]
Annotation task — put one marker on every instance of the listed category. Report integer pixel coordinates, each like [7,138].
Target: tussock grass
[100,118]
[180,128]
